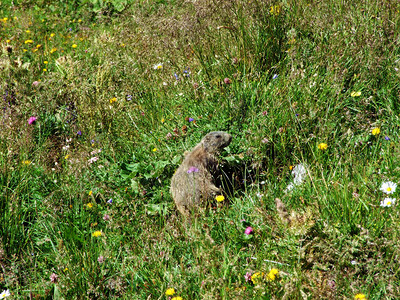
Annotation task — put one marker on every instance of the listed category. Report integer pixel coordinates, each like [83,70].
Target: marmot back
[193,181]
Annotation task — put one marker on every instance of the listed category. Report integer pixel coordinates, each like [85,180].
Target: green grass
[111,130]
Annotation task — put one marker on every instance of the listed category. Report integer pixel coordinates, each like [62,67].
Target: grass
[85,188]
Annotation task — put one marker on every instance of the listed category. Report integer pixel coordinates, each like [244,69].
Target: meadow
[101,99]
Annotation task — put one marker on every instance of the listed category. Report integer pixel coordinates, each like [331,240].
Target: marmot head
[216,140]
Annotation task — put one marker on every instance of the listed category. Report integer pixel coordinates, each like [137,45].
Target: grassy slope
[340,242]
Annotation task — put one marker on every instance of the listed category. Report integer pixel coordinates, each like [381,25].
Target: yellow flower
[154,149]
[162,120]
[112,100]
[67,156]
[79,20]
[360,297]
[34,50]
[24,50]
[8,41]
[27,31]
[53,50]
[28,42]
[89,205]
[26,162]
[220,198]
[291,168]
[272,274]
[74,46]
[275,10]
[45,62]
[376,131]
[5,20]
[322,146]
[44,70]
[170,292]
[177,298]
[122,45]
[256,277]
[66,269]
[90,193]
[38,46]
[97,233]
[53,34]
[355,94]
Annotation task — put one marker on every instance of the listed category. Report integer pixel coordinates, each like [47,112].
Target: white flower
[158,66]
[299,173]
[388,202]
[93,159]
[388,187]
[94,152]
[4,294]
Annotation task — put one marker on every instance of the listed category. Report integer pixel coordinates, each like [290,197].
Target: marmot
[193,181]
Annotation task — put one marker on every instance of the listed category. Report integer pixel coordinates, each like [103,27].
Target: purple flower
[248,230]
[192,169]
[106,217]
[53,278]
[129,98]
[79,132]
[100,259]
[387,138]
[32,120]
[109,201]
[176,76]
[297,115]
[275,76]
[191,119]
[247,277]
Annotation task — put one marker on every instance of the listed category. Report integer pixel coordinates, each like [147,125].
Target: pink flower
[106,217]
[53,278]
[32,120]
[248,230]
[100,259]
[35,83]
[247,277]
[227,81]
[192,169]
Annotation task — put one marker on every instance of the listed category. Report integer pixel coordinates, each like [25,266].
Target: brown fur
[189,190]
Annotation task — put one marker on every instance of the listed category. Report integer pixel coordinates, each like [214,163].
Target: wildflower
[53,50]
[32,120]
[93,159]
[44,70]
[360,297]
[177,298]
[79,132]
[376,131]
[26,162]
[388,202]
[89,205]
[387,138]
[45,62]
[5,294]
[220,198]
[322,146]
[264,140]
[106,217]
[355,94]
[52,34]
[94,152]
[97,233]
[35,83]
[265,113]
[170,292]
[100,259]
[256,277]
[247,277]
[158,66]
[74,46]
[275,76]
[190,119]
[275,10]
[272,274]
[90,193]
[53,278]
[28,42]
[66,269]
[38,46]
[154,149]
[248,230]
[66,156]
[176,76]
[112,100]
[109,201]
[227,81]
[192,169]
[388,187]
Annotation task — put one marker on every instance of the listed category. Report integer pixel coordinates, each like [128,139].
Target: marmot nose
[229,138]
